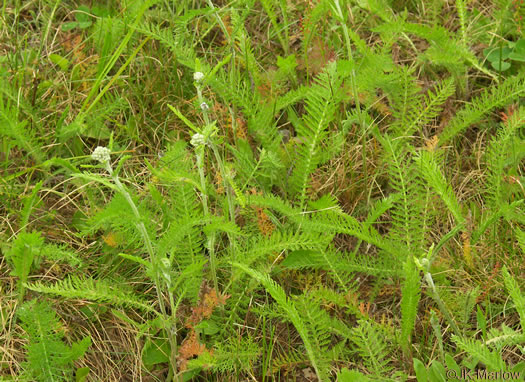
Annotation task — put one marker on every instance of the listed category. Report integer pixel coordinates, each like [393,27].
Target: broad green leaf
[346,375]
[208,327]
[496,53]
[500,66]
[519,47]
[82,15]
[437,372]
[155,351]
[517,56]
[452,364]
[84,24]
[59,60]
[81,374]
[69,26]
[421,371]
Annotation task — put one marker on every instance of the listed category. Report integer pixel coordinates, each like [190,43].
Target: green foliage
[497,159]
[409,302]
[312,331]
[311,22]
[29,204]
[280,175]
[48,358]
[346,375]
[82,20]
[13,128]
[331,221]
[257,247]
[498,56]
[490,353]
[413,114]
[435,373]
[372,348]
[430,169]
[516,295]
[497,96]
[269,8]
[490,350]
[409,213]
[117,216]
[230,356]
[321,102]
[498,194]
[93,290]
[25,248]
[461,7]
[27,252]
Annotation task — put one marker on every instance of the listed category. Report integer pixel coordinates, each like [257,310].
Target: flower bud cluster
[198,76]
[101,154]
[198,140]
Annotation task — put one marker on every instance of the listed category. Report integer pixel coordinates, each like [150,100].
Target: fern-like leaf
[173,39]
[491,358]
[25,249]
[283,240]
[49,359]
[320,111]
[430,170]
[409,213]
[340,265]
[421,113]
[497,154]
[293,314]
[409,302]
[93,290]
[12,128]
[497,96]
[515,294]
[372,348]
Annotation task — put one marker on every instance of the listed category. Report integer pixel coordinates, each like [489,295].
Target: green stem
[222,169]
[204,196]
[153,259]
[211,240]
[441,304]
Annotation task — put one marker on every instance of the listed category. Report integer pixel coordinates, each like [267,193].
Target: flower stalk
[200,141]
[102,155]
[424,265]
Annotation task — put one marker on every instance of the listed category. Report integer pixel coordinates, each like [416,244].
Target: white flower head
[101,154]
[198,140]
[198,76]
[204,106]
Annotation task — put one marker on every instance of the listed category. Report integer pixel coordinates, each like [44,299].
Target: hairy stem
[154,261]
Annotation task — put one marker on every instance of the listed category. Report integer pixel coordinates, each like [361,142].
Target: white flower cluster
[198,139]
[101,154]
[198,76]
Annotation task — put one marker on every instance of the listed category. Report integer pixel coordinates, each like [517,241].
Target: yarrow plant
[159,266]
[309,173]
